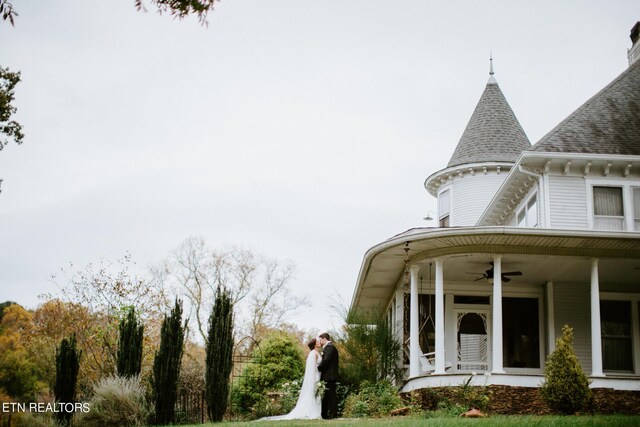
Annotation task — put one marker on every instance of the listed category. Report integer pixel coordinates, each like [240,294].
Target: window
[520,333]
[615,324]
[444,208]
[608,211]
[528,215]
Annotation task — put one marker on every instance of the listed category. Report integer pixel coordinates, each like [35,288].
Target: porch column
[440,365]
[596,343]
[414,326]
[496,365]
[551,319]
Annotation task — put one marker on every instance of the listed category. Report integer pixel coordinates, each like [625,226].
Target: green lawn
[498,420]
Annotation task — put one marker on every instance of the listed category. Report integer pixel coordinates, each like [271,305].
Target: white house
[530,238]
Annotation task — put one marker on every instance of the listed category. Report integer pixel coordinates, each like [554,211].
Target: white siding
[572,307]
[471,196]
[567,202]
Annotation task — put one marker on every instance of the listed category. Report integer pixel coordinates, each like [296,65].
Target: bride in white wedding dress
[309,405]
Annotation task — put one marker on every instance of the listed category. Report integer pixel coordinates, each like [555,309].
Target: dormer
[486,152]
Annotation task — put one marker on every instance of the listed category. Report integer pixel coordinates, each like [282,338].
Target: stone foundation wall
[508,400]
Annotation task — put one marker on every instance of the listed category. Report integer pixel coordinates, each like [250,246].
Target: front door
[472,340]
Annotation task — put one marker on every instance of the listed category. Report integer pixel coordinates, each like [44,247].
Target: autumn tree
[96,336]
[20,375]
[4,305]
[102,291]
[258,285]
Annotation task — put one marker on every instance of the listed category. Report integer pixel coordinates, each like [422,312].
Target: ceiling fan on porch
[488,275]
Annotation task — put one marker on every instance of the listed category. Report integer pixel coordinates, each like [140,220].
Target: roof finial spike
[492,80]
[490,63]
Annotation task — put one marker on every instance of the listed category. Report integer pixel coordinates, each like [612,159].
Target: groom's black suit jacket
[328,366]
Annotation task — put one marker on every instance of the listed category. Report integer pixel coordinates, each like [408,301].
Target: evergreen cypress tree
[166,365]
[130,345]
[67,367]
[566,388]
[219,350]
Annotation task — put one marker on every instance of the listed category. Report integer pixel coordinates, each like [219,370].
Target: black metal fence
[191,408]
[245,353]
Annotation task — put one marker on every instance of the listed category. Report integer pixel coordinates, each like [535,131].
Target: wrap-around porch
[486,324]
[448,280]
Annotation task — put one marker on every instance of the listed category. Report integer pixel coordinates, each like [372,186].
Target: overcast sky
[302,130]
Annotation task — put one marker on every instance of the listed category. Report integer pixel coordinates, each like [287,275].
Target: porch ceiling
[541,254]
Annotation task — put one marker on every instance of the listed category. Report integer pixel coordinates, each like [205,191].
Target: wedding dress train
[309,406]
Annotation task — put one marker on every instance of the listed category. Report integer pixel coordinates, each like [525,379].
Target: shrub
[368,348]
[566,389]
[278,360]
[289,393]
[32,419]
[453,401]
[472,396]
[117,401]
[373,400]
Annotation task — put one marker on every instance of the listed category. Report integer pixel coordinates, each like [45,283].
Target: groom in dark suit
[328,368]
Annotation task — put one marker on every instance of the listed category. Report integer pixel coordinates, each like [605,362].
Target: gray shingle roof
[493,133]
[608,123]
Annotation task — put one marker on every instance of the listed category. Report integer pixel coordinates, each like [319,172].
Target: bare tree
[108,287]
[258,285]
[267,308]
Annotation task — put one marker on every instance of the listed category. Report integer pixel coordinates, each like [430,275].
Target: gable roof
[608,123]
[493,133]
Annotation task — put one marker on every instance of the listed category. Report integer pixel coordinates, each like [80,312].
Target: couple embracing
[322,365]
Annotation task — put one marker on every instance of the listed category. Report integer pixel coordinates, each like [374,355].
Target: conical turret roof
[493,133]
